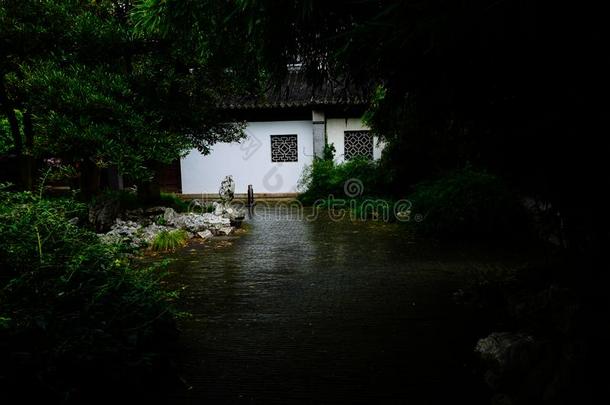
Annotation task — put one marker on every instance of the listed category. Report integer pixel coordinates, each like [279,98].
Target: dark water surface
[294,311]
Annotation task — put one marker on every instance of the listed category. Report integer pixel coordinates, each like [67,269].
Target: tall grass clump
[78,323]
[169,240]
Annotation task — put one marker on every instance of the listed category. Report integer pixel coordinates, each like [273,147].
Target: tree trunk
[89,179]
[149,192]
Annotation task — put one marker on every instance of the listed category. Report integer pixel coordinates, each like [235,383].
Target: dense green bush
[466,203]
[463,203]
[77,321]
[128,200]
[325,177]
[357,186]
[173,201]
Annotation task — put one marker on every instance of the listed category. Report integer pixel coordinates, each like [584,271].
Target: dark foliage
[78,323]
[173,201]
[129,200]
[558,360]
[515,87]
[467,203]
[325,178]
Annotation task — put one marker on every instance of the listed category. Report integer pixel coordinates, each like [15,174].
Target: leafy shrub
[467,203]
[76,318]
[329,151]
[325,177]
[169,240]
[160,220]
[173,201]
[128,200]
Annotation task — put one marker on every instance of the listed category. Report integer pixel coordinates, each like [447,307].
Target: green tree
[96,90]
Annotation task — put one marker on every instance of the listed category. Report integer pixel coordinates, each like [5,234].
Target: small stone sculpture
[227,190]
[226,193]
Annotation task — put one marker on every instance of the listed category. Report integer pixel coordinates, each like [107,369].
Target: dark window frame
[370,153]
[290,156]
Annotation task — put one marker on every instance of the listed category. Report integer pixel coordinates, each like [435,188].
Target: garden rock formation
[138,228]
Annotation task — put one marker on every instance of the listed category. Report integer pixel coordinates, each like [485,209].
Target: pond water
[320,311]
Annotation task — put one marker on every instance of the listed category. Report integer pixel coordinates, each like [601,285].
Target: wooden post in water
[250,195]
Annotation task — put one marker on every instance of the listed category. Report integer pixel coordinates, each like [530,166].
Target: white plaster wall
[249,161]
[334,134]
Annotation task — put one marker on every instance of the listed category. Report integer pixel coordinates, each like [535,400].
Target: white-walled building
[285,130]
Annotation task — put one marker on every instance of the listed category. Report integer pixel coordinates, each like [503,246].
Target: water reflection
[323,311]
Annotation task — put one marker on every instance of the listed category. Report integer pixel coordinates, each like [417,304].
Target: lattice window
[358,144]
[284,148]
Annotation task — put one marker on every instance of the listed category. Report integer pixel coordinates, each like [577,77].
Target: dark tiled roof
[295,91]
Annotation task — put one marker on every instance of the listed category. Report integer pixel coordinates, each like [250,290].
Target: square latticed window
[358,144]
[284,148]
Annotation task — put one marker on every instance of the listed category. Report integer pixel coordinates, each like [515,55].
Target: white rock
[218,208]
[227,230]
[501,347]
[169,215]
[148,234]
[204,225]
[207,234]
[198,222]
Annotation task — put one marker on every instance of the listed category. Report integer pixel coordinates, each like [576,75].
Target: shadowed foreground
[324,312]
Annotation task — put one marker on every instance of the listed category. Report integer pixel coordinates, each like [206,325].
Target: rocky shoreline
[138,228]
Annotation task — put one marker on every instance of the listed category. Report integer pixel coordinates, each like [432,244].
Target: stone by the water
[140,230]
[205,234]
[169,215]
[197,222]
[225,231]
[139,227]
